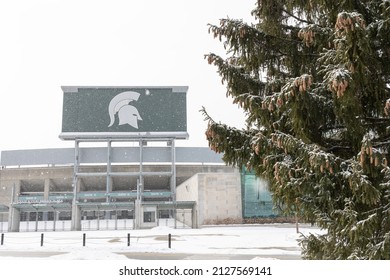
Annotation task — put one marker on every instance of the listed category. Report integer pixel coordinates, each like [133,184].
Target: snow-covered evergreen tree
[314,80]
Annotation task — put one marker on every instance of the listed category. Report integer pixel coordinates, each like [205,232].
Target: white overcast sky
[49,43]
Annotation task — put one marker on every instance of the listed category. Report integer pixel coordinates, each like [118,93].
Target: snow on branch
[338,80]
[349,22]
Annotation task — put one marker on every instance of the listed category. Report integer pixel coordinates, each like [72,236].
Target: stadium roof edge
[98,155]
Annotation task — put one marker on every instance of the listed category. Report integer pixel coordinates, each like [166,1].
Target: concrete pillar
[195,216]
[55,218]
[108,177]
[46,192]
[14,214]
[36,221]
[76,212]
[76,217]
[137,214]
[108,199]
[46,189]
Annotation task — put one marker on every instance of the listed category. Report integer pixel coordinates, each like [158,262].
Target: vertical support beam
[135,214]
[55,218]
[140,189]
[14,214]
[158,216]
[98,219]
[173,178]
[141,160]
[46,188]
[46,192]
[108,178]
[28,221]
[138,210]
[76,215]
[173,170]
[194,216]
[116,219]
[36,221]
[174,215]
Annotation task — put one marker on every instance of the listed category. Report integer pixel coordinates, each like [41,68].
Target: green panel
[256,198]
[84,195]
[92,195]
[44,207]
[123,194]
[157,194]
[163,205]
[61,197]
[106,206]
[154,110]
[35,198]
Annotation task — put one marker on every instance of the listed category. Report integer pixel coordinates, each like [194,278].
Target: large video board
[124,112]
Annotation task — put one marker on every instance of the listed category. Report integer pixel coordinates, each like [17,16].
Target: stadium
[125,170]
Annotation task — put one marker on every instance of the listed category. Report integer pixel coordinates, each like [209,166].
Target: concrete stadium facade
[129,186]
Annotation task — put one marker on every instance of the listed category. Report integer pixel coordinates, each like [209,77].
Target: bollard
[169,240]
[2,239]
[128,239]
[84,238]
[41,239]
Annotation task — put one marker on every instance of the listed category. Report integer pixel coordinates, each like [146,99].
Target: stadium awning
[107,206]
[110,206]
[42,207]
[171,205]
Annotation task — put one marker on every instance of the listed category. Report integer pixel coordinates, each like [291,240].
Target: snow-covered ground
[212,249]
[253,241]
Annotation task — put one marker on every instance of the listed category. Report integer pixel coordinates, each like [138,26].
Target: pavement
[156,256]
[180,256]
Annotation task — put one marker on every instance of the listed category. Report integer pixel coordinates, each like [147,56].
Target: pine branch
[334,149]
[380,144]
[237,78]
[206,115]
[297,18]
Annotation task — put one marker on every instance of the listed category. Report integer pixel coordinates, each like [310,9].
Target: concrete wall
[189,191]
[221,194]
[218,196]
[5,193]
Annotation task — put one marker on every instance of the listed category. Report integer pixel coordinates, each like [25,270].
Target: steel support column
[76,215]
[173,178]
[108,177]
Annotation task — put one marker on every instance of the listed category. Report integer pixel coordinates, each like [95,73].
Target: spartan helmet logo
[127,114]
